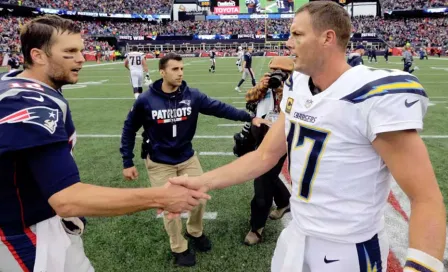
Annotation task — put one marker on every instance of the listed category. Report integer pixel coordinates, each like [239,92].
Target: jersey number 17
[298,135]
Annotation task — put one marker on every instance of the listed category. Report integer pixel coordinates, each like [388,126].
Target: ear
[329,37]
[38,56]
[162,72]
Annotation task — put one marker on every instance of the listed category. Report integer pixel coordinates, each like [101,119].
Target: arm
[133,123]
[219,109]
[69,197]
[406,157]
[248,167]
[126,64]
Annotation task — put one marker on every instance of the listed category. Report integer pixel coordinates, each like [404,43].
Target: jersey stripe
[21,248]
[385,86]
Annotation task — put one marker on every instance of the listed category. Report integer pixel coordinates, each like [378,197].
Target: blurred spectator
[418,31]
[110,6]
[412,4]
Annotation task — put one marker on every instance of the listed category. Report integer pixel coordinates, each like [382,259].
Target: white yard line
[218,136]
[138,136]
[230,125]
[207,215]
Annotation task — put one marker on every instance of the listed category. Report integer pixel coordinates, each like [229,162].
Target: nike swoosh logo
[329,261]
[408,105]
[39,99]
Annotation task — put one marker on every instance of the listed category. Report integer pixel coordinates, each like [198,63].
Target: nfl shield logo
[308,103]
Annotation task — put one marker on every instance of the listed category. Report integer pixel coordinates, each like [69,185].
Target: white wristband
[420,261]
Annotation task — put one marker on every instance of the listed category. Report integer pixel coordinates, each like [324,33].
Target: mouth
[76,71]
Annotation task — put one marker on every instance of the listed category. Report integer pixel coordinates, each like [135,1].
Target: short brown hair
[329,15]
[38,33]
[170,56]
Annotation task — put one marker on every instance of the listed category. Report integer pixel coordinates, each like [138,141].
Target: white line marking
[207,215]
[434,136]
[139,136]
[103,64]
[218,136]
[216,154]
[132,98]
[230,125]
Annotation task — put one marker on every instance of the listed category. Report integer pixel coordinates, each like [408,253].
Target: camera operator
[264,101]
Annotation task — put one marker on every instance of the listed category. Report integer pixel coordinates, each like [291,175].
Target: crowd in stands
[109,6]
[412,4]
[397,32]
[419,31]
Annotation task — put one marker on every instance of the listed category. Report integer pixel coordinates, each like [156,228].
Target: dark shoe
[201,243]
[186,258]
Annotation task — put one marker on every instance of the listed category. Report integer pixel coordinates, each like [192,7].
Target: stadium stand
[113,6]
[412,4]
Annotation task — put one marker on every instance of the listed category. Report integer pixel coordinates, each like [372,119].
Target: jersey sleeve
[286,102]
[399,103]
[53,167]
[29,119]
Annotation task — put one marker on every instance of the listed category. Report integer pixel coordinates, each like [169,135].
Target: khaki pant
[159,174]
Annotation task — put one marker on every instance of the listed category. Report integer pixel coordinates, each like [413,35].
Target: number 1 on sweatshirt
[174,130]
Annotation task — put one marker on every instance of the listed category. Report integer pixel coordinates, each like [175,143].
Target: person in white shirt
[349,132]
[136,63]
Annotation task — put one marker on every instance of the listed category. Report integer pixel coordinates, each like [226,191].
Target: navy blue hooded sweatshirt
[169,121]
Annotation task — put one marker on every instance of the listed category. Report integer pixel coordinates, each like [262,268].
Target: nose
[289,43]
[80,58]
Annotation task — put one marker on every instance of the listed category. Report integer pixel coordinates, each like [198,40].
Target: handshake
[180,194]
[193,190]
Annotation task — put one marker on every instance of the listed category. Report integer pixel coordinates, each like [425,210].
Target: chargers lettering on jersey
[304,117]
[41,116]
[166,116]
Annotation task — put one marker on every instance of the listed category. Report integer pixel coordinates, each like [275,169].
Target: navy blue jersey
[285,6]
[36,139]
[169,122]
[253,6]
[212,54]
[355,60]
[14,62]
[248,60]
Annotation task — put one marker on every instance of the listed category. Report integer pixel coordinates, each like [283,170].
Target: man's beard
[58,77]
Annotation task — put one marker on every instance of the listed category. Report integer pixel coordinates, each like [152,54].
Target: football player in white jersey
[347,131]
[240,59]
[136,63]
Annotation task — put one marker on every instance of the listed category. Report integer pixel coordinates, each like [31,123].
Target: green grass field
[138,242]
[271,6]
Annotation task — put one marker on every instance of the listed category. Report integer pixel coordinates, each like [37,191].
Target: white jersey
[340,184]
[135,60]
[241,56]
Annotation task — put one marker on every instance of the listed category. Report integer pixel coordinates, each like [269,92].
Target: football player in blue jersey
[349,132]
[42,201]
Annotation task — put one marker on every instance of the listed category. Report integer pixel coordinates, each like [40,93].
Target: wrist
[159,194]
[128,164]
[418,260]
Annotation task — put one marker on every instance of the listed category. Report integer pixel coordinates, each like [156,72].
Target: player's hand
[193,183]
[258,121]
[130,173]
[264,81]
[177,199]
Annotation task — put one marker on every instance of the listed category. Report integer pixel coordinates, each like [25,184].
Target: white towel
[52,243]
